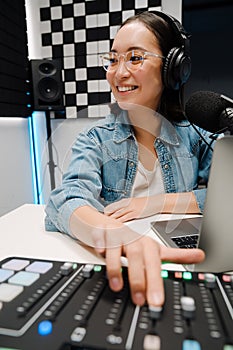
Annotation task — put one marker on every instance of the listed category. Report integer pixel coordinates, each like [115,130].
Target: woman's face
[143,86]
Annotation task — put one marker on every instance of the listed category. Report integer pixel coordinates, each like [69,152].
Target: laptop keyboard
[189,241]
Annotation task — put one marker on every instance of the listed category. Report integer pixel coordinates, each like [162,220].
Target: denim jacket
[104,164]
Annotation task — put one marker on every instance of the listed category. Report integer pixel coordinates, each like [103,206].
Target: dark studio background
[211,26]
[14,73]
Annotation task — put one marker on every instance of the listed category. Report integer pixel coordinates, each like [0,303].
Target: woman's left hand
[133,208]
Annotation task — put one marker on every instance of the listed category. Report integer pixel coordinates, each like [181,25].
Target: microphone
[210,111]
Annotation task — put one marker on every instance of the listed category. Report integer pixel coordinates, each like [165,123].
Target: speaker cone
[47,68]
[48,89]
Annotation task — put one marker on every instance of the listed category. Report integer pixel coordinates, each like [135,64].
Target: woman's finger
[155,287]
[113,207]
[182,256]
[144,268]
[136,272]
[113,266]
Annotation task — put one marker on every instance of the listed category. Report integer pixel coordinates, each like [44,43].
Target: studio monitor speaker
[47,85]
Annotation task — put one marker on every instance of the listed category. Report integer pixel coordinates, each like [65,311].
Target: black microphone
[210,111]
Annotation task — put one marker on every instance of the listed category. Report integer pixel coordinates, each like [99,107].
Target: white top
[148,182]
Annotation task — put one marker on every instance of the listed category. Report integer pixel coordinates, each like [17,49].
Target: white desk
[22,234]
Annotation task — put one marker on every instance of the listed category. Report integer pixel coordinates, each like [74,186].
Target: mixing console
[53,305]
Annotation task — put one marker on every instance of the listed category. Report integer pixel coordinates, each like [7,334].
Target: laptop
[214,230]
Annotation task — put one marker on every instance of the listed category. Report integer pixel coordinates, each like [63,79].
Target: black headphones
[177,64]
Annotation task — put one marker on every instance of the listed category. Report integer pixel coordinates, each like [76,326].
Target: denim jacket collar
[123,130]
[168,132]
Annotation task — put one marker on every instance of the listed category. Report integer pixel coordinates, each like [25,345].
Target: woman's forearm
[177,203]
[139,207]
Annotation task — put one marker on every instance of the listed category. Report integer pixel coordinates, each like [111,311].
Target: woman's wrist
[176,203]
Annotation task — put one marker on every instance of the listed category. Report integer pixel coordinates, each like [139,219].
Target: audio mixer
[54,305]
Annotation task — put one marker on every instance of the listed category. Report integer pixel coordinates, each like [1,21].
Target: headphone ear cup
[176,68]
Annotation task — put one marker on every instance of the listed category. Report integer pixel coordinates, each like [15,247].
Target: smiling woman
[142,159]
[139,83]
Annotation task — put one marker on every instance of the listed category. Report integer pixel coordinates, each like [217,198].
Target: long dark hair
[171,104]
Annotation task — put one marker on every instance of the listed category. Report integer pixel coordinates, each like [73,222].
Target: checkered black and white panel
[78,31]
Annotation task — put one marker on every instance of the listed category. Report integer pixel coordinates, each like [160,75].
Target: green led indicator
[75,266]
[8,349]
[97,268]
[164,274]
[187,275]
[228,347]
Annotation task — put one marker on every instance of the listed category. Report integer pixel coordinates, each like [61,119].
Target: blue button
[45,327]
[190,344]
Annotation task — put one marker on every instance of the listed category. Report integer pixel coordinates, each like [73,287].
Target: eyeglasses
[133,59]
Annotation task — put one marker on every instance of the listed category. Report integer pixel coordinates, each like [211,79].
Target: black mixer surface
[53,305]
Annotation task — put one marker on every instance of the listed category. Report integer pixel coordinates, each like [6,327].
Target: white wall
[16,175]
[172,7]
[32,8]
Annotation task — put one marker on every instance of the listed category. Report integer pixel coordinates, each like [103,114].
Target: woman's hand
[133,208]
[144,268]
[113,239]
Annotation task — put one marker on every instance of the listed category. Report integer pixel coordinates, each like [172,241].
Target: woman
[142,159]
